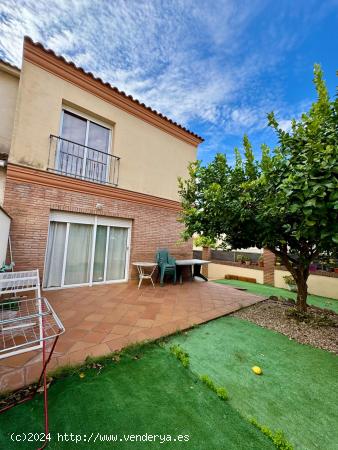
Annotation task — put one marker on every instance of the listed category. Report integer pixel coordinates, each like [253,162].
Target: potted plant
[240,259]
[332,263]
[247,260]
[289,280]
[261,261]
[325,265]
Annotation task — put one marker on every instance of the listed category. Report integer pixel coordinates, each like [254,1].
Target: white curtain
[78,254]
[100,253]
[117,250]
[55,253]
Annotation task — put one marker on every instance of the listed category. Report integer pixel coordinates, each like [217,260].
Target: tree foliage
[287,201]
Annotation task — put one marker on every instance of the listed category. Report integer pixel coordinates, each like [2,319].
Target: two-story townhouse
[92,174]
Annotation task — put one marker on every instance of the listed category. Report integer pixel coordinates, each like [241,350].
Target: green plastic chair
[166,265]
[7,267]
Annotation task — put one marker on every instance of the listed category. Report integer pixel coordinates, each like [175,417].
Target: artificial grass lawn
[153,394]
[297,393]
[265,291]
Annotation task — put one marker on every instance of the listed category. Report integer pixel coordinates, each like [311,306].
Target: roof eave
[9,68]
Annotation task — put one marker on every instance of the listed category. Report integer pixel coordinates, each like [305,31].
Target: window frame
[94,221]
[88,119]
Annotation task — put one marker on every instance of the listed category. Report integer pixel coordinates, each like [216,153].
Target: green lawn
[266,290]
[153,394]
[297,393]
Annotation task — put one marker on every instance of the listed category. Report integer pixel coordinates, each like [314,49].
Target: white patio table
[195,265]
[145,271]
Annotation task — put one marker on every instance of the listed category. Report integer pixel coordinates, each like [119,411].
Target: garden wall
[325,286]
[218,270]
[322,285]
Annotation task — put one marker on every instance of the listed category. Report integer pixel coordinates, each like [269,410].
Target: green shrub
[276,437]
[208,382]
[221,392]
[180,354]
[290,280]
[204,241]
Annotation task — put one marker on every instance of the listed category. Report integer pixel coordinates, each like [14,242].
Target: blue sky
[217,67]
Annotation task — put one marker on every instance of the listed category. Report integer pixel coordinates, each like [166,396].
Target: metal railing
[76,160]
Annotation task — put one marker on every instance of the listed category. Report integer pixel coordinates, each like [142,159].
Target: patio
[106,318]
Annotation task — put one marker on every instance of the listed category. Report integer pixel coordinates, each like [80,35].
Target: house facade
[91,182]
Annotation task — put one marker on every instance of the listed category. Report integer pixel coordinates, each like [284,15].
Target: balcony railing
[75,160]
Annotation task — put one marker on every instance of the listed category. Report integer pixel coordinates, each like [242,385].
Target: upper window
[83,149]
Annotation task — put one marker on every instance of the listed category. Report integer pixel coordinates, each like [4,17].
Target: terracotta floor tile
[85,325]
[94,337]
[117,344]
[122,330]
[105,327]
[94,317]
[19,360]
[64,344]
[146,323]
[148,314]
[80,345]
[74,334]
[111,337]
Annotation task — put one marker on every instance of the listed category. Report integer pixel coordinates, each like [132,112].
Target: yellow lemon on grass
[82,375]
[257,370]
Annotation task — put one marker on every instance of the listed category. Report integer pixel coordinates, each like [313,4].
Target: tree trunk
[301,293]
[300,273]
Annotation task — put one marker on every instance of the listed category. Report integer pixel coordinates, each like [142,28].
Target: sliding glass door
[78,255]
[55,254]
[86,253]
[116,253]
[100,253]
[110,253]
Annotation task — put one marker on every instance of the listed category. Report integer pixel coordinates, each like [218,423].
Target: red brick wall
[29,205]
[269,267]
[206,255]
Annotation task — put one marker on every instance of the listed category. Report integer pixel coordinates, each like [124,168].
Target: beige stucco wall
[151,159]
[9,83]
[217,271]
[317,284]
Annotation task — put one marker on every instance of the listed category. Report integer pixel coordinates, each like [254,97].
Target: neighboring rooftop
[10,67]
[38,45]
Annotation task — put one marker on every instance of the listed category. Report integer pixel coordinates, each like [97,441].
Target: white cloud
[189,59]
[285,124]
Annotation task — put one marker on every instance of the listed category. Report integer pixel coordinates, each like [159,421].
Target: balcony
[78,161]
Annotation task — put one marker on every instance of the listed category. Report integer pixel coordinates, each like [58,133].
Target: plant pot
[336,270]
[248,263]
